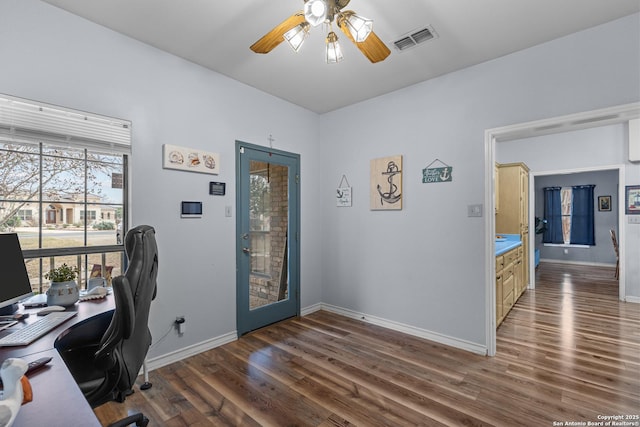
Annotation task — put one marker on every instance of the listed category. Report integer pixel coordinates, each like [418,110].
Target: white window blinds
[26,121]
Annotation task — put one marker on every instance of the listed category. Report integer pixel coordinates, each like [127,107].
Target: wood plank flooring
[567,352]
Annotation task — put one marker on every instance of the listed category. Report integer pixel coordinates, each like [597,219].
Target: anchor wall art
[386,183]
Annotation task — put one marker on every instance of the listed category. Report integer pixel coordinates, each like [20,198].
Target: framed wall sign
[343,193]
[441,172]
[190,159]
[632,200]
[217,188]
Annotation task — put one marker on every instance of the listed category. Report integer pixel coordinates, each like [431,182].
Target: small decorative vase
[63,293]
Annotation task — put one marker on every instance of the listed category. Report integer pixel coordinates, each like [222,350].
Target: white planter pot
[63,293]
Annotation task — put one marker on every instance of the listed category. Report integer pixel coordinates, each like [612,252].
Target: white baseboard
[408,329]
[561,261]
[635,300]
[192,350]
[310,309]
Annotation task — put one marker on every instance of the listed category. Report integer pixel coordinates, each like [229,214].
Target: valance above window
[24,121]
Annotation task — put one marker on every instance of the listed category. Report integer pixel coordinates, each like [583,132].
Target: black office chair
[105,353]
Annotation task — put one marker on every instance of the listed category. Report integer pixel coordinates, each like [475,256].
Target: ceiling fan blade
[373,48]
[274,37]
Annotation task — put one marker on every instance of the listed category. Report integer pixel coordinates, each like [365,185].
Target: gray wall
[606,183]
[422,266]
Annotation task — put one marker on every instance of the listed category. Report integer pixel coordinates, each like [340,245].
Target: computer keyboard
[35,330]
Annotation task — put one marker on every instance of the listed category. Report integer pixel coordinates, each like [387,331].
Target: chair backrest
[128,338]
[614,240]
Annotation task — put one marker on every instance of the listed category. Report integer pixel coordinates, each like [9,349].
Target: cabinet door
[507,295]
[517,277]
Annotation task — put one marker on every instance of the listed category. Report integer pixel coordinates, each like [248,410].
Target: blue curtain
[582,212]
[553,215]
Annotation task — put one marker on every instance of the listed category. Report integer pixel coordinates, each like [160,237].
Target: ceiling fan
[295,30]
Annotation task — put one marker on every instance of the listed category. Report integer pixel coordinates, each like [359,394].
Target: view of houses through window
[62,198]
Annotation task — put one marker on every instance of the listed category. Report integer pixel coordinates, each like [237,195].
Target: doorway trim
[554,125]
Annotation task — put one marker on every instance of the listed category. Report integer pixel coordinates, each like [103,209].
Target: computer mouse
[51,309]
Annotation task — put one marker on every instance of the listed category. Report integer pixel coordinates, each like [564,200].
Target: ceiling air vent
[415,38]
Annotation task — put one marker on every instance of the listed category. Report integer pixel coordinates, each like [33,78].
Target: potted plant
[64,289]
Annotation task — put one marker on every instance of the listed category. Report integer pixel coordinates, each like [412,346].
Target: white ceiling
[217,34]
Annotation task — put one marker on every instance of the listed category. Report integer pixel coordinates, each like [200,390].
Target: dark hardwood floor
[567,352]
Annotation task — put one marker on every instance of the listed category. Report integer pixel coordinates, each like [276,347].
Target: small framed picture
[604,203]
[632,200]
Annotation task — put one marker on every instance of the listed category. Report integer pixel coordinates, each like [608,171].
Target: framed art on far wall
[604,203]
[632,199]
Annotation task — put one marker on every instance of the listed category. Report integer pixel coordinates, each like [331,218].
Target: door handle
[246,250]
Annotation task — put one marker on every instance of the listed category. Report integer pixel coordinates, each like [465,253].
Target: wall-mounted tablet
[191,210]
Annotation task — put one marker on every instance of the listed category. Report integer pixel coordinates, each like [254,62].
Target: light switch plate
[227,211]
[474,210]
[634,219]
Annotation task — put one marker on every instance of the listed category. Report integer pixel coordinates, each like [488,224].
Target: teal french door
[267,236]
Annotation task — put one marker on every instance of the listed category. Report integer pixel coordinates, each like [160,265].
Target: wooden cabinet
[509,281]
[512,215]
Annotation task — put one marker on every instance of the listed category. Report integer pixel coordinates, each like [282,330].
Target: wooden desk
[57,400]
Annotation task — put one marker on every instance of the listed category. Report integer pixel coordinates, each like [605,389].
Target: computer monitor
[14,280]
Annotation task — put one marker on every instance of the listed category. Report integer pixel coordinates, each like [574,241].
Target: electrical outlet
[180,324]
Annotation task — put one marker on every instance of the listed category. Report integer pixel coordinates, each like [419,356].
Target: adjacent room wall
[606,184]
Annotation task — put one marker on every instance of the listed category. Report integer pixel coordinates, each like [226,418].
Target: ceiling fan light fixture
[334,52]
[297,35]
[316,12]
[359,26]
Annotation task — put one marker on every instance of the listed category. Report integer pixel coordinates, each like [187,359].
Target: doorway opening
[572,122]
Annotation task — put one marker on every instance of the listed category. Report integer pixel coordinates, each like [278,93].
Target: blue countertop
[506,242]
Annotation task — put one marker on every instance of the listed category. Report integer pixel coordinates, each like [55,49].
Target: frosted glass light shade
[334,52]
[359,27]
[297,35]
[315,12]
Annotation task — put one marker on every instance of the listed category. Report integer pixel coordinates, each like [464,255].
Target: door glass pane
[268,225]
